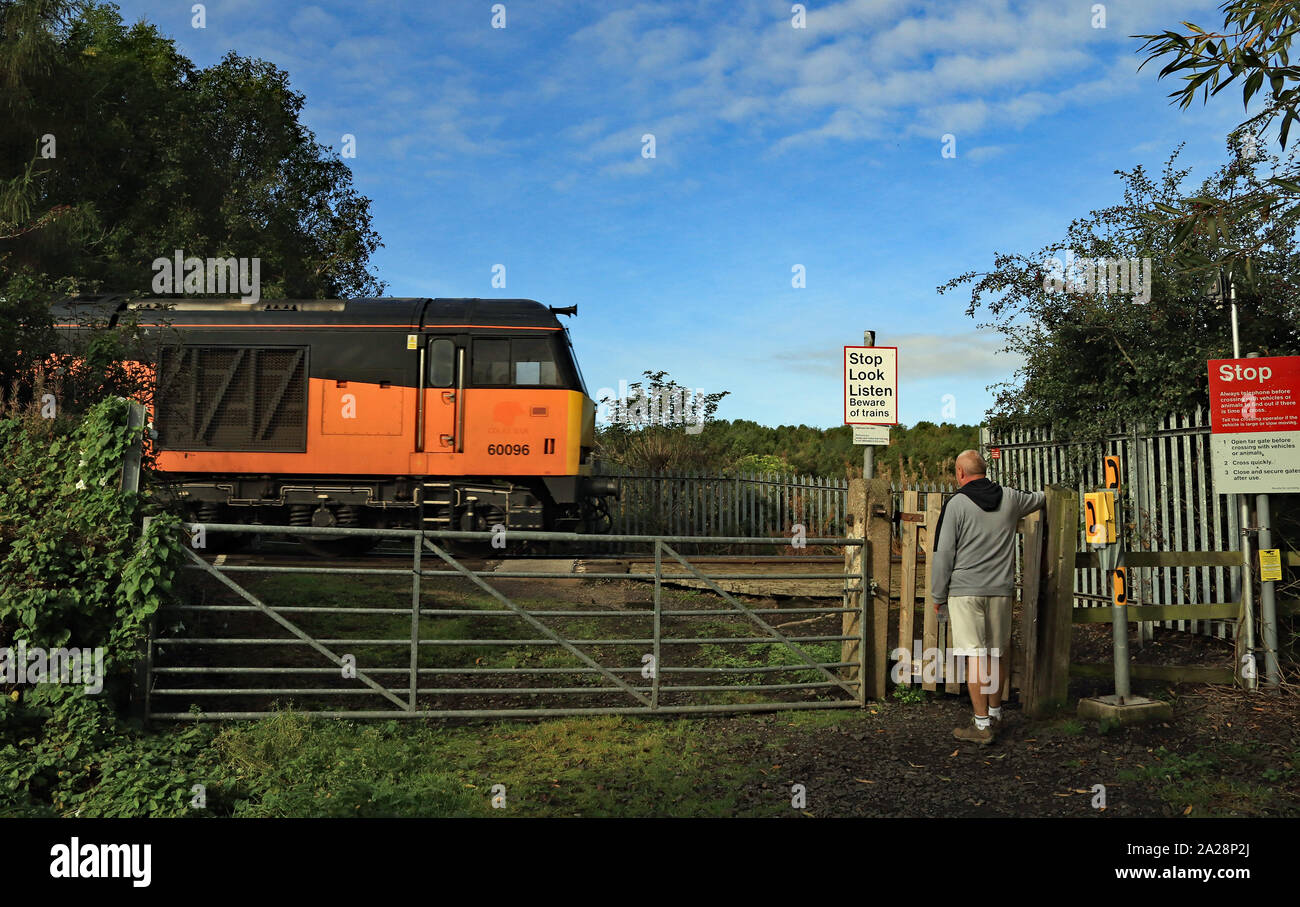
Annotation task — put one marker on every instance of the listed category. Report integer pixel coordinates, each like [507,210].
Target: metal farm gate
[427,636]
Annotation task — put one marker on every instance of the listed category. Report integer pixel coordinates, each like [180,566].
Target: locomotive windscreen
[521,362]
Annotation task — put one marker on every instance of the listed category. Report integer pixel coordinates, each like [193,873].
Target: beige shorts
[980,623]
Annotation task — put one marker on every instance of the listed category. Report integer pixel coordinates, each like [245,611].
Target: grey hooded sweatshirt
[975,548]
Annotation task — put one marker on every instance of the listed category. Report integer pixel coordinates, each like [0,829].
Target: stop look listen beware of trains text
[871,385]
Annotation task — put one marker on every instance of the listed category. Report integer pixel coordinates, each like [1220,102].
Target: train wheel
[597,519]
[325,518]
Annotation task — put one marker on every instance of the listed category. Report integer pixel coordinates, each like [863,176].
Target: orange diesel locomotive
[441,413]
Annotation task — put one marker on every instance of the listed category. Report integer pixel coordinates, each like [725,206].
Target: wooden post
[930,625]
[907,582]
[1047,674]
[135,419]
[880,520]
[1031,535]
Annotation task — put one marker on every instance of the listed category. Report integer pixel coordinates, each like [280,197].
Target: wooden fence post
[880,522]
[1022,660]
[1047,673]
[907,581]
[870,507]
[931,659]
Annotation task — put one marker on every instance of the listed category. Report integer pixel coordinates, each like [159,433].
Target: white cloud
[970,355]
[987,152]
[313,22]
[862,69]
[573,89]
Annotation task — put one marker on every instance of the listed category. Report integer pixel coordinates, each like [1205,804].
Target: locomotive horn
[565,310]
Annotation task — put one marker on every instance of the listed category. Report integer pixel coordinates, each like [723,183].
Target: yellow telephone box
[1099,517]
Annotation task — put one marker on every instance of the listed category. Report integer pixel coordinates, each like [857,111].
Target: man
[974,574]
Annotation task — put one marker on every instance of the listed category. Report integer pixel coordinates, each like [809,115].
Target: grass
[1068,727]
[564,767]
[910,695]
[290,764]
[1219,780]
[811,719]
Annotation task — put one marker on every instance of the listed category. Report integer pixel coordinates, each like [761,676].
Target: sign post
[1255,447]
[1255,424]
[1104,530]
[870,395]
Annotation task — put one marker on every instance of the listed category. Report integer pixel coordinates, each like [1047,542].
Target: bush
[76,572]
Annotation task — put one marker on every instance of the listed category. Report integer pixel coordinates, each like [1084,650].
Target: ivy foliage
[75,571]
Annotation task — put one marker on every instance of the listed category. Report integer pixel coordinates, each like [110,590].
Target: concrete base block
[602,566]
[559,566]
[1109,711]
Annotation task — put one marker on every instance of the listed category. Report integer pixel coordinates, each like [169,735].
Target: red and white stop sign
[1255,425]
[1255,395]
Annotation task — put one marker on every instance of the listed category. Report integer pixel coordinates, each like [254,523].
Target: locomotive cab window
[528,362]
[534,362]
[442,363]
[491,362]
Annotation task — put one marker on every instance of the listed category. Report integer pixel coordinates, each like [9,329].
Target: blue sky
[775,146]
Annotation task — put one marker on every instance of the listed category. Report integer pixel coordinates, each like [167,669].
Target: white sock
[982,723]
[995,712]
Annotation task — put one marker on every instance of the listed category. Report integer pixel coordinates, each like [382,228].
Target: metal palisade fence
[757,505]
[762,505]
[1168,498]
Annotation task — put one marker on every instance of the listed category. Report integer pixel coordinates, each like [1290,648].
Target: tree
[1253,46]
[117,150]
[658,425]
[1095,359]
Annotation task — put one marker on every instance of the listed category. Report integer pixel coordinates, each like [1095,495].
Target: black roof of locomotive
[407,312]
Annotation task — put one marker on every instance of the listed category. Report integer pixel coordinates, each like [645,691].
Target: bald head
[970,466]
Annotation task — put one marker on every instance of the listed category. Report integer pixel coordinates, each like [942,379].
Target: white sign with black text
[873,435]
[871,385]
